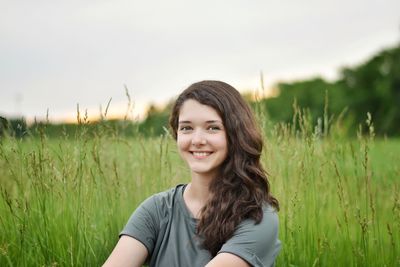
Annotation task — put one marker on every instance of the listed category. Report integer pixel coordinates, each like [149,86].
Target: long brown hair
[242,187]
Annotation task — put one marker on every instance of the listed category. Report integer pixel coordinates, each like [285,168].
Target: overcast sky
[55,54]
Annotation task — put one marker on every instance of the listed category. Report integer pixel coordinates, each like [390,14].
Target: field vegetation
[64,200]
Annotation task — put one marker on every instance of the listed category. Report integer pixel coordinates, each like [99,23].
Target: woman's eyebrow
[214,121]
[209,121]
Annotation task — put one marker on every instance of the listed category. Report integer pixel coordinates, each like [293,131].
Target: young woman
[226,215]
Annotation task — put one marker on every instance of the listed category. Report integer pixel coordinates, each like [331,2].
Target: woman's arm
[227,260]
[128,252]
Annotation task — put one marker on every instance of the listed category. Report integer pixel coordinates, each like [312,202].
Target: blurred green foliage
[15,127]
[371,87]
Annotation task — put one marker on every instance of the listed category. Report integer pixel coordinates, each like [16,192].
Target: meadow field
[64,201]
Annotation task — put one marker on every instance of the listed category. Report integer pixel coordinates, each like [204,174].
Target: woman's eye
[185,128]
[214,128]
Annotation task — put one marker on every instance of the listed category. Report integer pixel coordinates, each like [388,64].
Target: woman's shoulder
[168,195]
[262,231]
[269,221]
[269,213]
[163,202]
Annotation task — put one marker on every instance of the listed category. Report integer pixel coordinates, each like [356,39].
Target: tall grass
[63,201]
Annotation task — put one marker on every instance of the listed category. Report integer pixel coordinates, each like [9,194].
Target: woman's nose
[198,138]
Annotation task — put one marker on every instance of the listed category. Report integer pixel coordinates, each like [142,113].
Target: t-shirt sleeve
[143,224]
[257,244]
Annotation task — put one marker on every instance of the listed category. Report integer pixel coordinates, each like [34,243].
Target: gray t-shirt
[167,229]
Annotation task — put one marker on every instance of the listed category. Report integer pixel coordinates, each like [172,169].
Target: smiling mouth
[200,155]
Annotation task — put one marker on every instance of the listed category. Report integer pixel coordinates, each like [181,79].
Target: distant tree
[156,120]
[373,87]
[4,127]
[14,127]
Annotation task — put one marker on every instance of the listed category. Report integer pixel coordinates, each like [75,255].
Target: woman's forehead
[192,110]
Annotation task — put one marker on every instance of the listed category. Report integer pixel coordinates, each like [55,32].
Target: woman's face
[201,138]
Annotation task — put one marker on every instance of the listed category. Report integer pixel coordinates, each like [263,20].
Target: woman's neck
[198,191]
[197,194]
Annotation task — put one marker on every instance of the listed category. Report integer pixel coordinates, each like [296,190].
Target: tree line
[372,87]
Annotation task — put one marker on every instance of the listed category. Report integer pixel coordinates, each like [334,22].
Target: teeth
[201,154]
